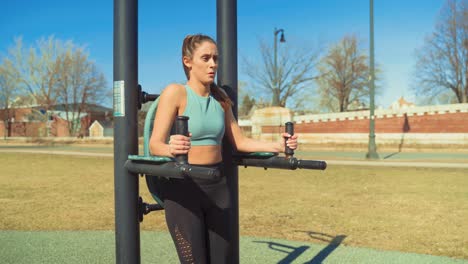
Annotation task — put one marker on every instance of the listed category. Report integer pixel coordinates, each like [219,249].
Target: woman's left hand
[291,141]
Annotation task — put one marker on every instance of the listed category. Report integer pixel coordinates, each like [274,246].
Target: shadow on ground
[293,253]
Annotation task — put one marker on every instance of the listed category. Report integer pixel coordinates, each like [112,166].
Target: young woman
[198,211]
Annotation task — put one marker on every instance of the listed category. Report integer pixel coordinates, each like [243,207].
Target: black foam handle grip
[181,125]
[312,164]
[181,128]
[289,128]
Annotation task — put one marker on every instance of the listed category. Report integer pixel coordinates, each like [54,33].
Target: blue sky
[400,28]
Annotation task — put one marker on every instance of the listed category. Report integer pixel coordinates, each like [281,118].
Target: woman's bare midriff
[205,155]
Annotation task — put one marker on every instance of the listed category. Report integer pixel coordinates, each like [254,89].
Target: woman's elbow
[152,147]
[240,145]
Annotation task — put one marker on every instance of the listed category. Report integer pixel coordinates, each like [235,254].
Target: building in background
[102,128]
[401,104]
[35,121]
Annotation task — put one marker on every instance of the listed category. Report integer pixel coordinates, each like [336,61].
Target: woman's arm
[244,144]
[169,103]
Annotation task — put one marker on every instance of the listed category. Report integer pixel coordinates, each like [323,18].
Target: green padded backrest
[148,129]
[152,182]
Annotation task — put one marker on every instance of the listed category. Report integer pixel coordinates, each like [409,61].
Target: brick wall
[59,127]
[27,129]
[443,124]
[426,123]
[429,119]
[56,128]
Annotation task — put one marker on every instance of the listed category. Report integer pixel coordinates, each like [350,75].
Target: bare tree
[295,71]
[36,68]
[442,66]
[54,72]
[8,91]
[80,85]
[344,74]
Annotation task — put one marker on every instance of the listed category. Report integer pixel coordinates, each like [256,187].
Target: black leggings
[197,215]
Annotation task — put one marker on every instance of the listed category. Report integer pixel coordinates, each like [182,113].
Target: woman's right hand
[179,144]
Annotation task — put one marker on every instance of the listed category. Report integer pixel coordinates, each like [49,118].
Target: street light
[275,101]
[372,149]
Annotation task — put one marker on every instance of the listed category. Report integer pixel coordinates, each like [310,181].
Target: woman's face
[204,63]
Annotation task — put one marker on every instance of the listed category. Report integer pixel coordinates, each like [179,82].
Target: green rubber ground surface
[156,247]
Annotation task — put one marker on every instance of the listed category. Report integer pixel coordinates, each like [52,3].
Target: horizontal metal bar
[172,170]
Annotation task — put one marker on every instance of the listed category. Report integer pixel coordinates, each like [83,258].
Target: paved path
[399,164]
[57,152]
[382,163]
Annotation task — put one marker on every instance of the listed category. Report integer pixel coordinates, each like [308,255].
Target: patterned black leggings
[197,215]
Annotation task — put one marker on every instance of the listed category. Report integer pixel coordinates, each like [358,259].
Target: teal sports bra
[206,119]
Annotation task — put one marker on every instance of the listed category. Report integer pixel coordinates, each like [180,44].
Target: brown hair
[191,42]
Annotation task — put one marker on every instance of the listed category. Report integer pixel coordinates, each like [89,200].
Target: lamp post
[372,149]
[275,101]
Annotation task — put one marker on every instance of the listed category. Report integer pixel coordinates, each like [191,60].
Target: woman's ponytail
[221,96]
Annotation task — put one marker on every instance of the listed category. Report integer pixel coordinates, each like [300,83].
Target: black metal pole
[226,29]
[274,101]
[372,148]
[127,227]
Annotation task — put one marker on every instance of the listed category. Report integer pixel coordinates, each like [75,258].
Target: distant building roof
[401,104]
[62,107]
[87,107]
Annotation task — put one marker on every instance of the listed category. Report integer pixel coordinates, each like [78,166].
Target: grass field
[412,210]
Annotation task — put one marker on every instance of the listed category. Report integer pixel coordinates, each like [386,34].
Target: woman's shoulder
[173,90]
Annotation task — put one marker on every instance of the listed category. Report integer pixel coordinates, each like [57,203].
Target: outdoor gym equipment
[272,160]
[154,167]
[128,97]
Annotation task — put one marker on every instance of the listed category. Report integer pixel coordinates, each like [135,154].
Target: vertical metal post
[276,93]
[275,101]
[127,226]
[226,25]
[372,148]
